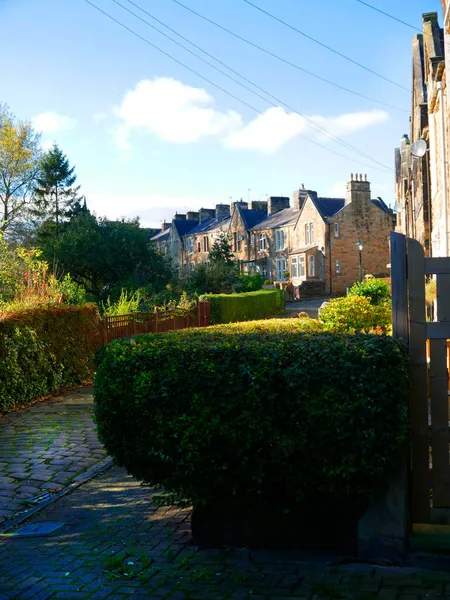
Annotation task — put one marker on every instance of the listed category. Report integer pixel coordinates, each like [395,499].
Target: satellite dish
[419,149]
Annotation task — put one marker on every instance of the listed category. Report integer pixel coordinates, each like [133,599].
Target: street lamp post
[360,249]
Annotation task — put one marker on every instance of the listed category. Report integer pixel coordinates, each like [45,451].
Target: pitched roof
[183,227]
[287,216]
[161,235]
[252,217]
[379,202]
[327,207]
[209,225]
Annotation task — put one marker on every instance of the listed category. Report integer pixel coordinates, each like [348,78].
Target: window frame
[337,230]
[191,245]
[262,242]
[294,266]
[302,266]
[311,265]
[338,266]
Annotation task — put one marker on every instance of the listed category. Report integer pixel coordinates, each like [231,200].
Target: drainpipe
[330,259]
[443,166]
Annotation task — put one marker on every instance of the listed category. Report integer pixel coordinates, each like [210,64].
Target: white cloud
[47,144]
[52,122]
[181,114]
[273,129]
[172,111]
[100,116]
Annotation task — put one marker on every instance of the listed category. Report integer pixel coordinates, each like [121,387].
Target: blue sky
[149,137]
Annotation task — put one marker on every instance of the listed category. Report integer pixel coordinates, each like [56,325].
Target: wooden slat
[418,382]
[438,331]
[399,288]
[439,424]
[437,266]
[439,400]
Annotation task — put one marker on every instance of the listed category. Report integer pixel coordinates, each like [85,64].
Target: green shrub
[250,283]
[254,414]
[231,308]
[377,290]
[354,314]
[45,349]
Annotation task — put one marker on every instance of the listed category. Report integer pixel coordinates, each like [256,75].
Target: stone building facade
[422,183]
[313,242]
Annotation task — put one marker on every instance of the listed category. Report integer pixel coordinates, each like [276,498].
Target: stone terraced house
[313,243]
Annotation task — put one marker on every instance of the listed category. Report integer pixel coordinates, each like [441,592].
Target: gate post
[383,530]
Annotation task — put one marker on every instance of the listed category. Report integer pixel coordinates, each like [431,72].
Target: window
[206,244]
[301,266]
[262,241]
[279,239]
[338,267]
[252,239]
[294,270]
[199,247]
[309,234]
[311,265]
[191,245]
[281,268]
[239,242]
[235,238]
[336,230]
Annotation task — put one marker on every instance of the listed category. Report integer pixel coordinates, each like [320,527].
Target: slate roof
[379,202]
[209,225]
[328,207]
[252,217]
[287,216]
[161,236]
[304,249]
[184,227]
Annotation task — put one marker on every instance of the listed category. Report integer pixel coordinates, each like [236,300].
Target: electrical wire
[287,62]
[309,121]
[316,41]
[167,54]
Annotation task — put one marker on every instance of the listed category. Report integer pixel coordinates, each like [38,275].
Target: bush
[254,414]
[250,283]
[45,349]
[231,308]
[354,314]
[377,290]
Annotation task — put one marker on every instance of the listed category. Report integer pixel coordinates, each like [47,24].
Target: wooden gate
[429,374]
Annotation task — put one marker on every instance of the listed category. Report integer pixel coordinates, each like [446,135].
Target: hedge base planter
[314,527]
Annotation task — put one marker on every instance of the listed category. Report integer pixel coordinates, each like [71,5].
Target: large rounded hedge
[257,414]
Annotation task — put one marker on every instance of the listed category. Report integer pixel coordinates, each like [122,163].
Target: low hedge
[45,349]
[233,308]
[257,414]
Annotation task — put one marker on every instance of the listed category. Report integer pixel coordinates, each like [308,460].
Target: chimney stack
[207,213]
[300,197]
[192,216]
[241,204]
[259,205]
[222,211]
[277,203]
[358,189]
[179,217]
[165,226]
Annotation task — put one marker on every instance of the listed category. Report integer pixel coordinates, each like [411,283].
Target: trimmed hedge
[233,308]
[45,349]
[255,415]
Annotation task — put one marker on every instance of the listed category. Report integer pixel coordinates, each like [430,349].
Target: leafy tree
[221,251]
[101,254]
[377,290]
[56,195]
[19,160]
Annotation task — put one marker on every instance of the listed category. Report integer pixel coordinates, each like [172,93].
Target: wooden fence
[113,328]
[429,374]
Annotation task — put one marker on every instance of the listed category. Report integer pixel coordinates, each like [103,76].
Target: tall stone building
[422,183]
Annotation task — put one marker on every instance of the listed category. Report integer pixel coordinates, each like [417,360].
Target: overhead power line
[388,15]
[309,121]
[133,32]
[316,41]
[287,62]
